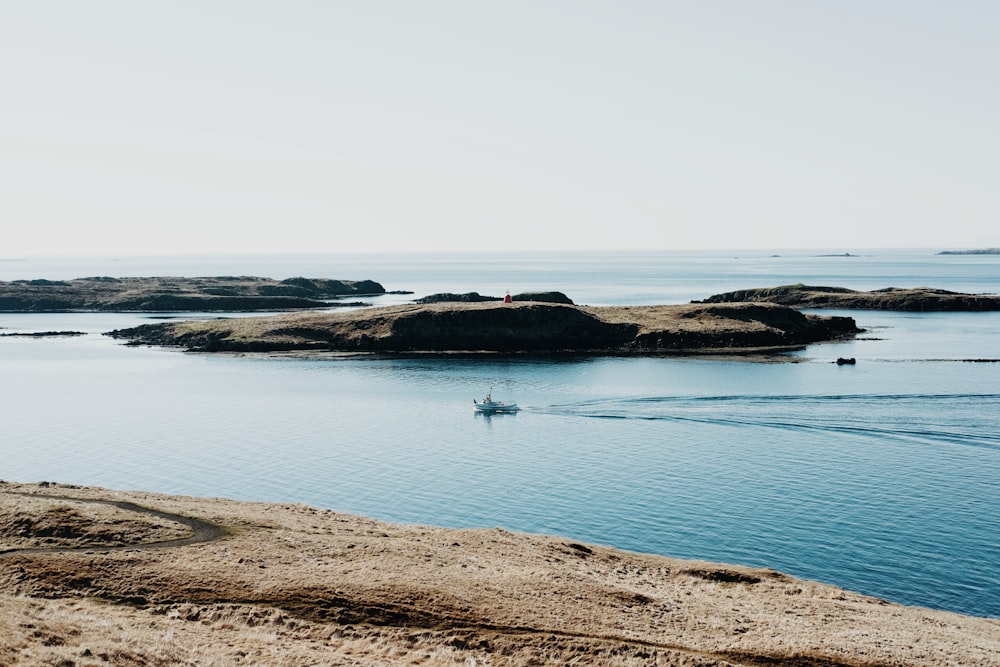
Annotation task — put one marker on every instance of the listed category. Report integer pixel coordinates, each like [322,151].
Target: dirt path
[202,530]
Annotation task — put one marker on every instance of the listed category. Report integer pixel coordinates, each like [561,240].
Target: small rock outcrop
[451,297]
[913,299]
[544,297]
[976,251]
[476,297]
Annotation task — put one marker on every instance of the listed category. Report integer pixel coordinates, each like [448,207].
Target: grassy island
[519,327]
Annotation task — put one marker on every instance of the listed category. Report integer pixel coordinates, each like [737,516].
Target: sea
[881,477]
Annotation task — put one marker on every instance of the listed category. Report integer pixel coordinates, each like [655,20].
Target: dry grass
[691,318]
[377,322]
[295,585]
[442,327]
[36,521]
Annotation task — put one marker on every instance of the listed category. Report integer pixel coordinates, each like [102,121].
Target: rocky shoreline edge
[293,584]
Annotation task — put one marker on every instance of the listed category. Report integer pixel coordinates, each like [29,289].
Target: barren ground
[296,585]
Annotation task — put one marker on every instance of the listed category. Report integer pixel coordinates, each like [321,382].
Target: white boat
[489,406]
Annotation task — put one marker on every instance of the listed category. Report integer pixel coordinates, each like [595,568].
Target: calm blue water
[882,478]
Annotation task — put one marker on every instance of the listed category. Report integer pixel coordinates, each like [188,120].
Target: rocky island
[168,294]
[913,299]
[96,577]
[517,327]
[975,251]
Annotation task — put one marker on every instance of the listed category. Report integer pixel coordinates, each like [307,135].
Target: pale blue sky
[324,126]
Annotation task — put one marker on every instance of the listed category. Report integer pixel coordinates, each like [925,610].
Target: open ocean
[883,478]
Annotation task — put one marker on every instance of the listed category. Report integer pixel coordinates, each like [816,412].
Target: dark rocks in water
[452,297]
[846,361]
[915,299]
[476,297]
[169,294]
[979,251]
[44,334]
[543,297]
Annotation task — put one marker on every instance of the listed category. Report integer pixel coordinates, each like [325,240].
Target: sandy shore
[109,583]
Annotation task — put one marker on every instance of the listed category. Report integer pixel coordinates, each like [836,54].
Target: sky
[245,126]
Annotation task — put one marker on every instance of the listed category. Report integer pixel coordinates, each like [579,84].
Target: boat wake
[939,418]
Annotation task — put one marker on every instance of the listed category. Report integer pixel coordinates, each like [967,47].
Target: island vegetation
[93,577]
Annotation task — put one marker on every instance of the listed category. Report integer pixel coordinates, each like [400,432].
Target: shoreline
[352,590]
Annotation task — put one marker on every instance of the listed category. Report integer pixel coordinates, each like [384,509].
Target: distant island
[913,299]
[741,322]
[980,251]
[170,294]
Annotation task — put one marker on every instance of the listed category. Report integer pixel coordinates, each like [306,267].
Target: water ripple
[861,414]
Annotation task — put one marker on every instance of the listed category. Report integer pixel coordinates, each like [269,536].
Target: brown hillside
[295,585]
